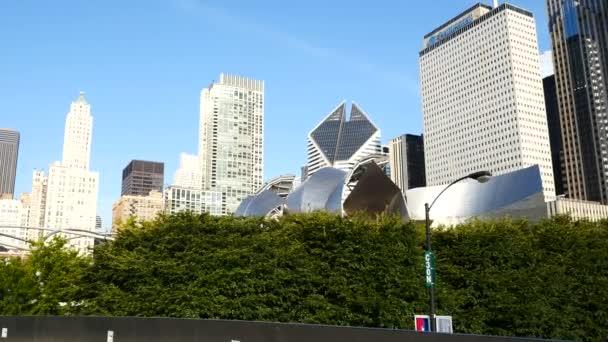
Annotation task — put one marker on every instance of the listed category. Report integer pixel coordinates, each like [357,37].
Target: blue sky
[143,64]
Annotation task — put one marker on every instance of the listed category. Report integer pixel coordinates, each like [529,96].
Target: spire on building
[81,98]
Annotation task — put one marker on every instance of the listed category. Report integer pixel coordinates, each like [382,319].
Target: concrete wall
[129,329]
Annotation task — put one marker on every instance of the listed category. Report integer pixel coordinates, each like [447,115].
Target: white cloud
[546,64]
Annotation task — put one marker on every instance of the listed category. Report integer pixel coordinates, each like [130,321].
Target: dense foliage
[548,279]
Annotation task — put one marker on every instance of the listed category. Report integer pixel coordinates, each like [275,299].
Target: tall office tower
[71,197]
[555,132]
[231,142]
[77,139]
[140,177]
[406,158]
[189,173]
[579,35]
[9,151]
[482,96]
[98,223]
[341,143]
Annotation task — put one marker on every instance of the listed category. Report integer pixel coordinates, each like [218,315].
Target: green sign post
[429,268]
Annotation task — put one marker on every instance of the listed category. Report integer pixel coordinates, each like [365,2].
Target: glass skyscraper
[9,150]
[231,141]
[140,177]
[341,143]
[579,34]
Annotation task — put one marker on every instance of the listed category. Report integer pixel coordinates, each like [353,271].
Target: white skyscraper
[231,138]
[189,173]
[71,199]
[482,96]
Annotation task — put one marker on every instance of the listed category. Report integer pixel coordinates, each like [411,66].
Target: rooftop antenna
[495,3]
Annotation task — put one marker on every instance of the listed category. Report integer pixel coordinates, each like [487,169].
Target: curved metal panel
[242,208]
[375,194]
[516,192]
[261,204]
[321,191]
[281,185]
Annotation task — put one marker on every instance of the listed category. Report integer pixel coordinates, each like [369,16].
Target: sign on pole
[429,268]
[443,324]
[422,323]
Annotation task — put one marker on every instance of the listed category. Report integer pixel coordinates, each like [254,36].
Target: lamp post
[481,177]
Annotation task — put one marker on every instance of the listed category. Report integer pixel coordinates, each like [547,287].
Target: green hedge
[503,278]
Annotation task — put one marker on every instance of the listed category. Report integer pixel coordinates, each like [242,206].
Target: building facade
[555,132]
[178,199]
[482,97]
[406,157]
[142,208]
[9,152]
[341,143]
[577,209]
[231,141]
[189,173]
[71,190]
[11,220]
[579,36]
[140,177]
[37,204]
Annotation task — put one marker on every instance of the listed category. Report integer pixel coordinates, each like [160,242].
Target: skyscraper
[37,205]
[231,141]
[71,197]
[406,157]
[555,132]
[341,143]
[482,96]
[140,177]
[579,35]
[9,151]
[189,173]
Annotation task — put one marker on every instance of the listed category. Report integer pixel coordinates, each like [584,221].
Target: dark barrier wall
[130,329]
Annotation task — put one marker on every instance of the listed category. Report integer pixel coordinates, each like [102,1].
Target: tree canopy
[546,279]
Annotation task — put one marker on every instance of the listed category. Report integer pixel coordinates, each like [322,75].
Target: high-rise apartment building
[140,177]
[189,173]
[482,96]
[579,35]
[406,158]
[341,143]
[142,208]
[71,194]
[9,151]
[555,132]
[231,141]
